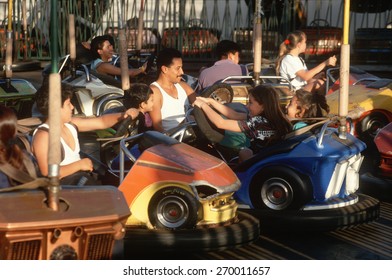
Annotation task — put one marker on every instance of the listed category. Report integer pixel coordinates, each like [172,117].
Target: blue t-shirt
[299,125]
[4,182]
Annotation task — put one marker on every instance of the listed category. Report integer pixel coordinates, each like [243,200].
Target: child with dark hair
[228,54]
[305,104]
[265,124]
[71,162]
[13,160]
[141,97]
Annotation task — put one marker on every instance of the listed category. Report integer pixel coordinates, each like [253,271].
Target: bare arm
[224,110]
[189,92]
[307,75]
[105,121]
[155,114]
[216,119]
[110,69]
[40,150]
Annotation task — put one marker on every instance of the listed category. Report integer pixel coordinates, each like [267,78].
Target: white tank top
[70,156]
[173,109]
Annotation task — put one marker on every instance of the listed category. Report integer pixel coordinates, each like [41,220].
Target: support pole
[344,72]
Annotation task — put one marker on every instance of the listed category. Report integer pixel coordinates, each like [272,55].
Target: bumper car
[17,94]
[180,198]
[307,182]
[378,181]
[370,102]
[74,232]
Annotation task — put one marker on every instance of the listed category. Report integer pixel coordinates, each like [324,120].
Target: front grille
[25,250]
[100,246]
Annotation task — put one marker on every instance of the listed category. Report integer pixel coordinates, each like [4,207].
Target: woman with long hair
[293,68]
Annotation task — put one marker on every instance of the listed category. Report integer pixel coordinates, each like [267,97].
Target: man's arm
[189,91]
[155,114]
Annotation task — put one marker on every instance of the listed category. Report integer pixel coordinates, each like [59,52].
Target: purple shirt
[220,70]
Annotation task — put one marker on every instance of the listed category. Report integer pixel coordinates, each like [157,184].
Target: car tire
[173,208]
[137,241]
[371,124]
[279,188]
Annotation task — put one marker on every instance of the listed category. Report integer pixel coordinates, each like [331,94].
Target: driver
[171,94]
[73,169]
[265,124]
[292,67]
[102,51]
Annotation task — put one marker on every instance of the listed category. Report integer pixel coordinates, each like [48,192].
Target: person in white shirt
[293,68]
[172,96]
[71,161]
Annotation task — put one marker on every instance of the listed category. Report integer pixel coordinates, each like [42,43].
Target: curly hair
[315,104]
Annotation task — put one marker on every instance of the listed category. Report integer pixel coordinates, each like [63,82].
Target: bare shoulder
[186,87]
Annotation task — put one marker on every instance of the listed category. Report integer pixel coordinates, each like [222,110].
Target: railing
[193,26]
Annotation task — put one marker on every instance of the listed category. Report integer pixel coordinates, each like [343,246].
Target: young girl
[293,68]
[265,124]
[305,104]
[11,156]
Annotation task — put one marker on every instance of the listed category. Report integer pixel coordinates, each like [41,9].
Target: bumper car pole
[125,81]
[344,72]
[72,44]
[54,153]
[257,43]
[8,59]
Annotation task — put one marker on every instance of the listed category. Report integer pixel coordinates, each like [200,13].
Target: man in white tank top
[171,95]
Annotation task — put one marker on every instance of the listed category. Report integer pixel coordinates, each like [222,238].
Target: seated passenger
[172,96]
[265,124]
[13,160]
[102,50]
[228,53]
[292,67]
[141,97]
[305,104]
[73,168]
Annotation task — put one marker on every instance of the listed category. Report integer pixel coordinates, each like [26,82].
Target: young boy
[141,97]
[71,163]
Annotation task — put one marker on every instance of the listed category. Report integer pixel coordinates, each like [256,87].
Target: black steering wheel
[127,127]
[221,92]
[207,128]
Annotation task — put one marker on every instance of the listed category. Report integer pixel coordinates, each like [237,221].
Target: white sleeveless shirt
[70,156]
[173,109]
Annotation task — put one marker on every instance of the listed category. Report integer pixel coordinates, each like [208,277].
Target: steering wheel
[127,127]
[221,92]
[207,128]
